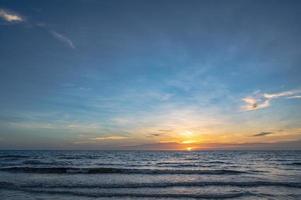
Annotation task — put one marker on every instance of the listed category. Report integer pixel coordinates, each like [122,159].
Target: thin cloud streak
[263,100]
[10,16]
[62,38]
[262,134]
[110,138]
[156,134]
[295,97]
[101,139]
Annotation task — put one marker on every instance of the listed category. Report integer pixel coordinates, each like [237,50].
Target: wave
[72,170]
[34,162]
[193,164]
[217,162]
[40,162]
[145,195]
[13,156]
[167,184]
[179,165]
[78,157]
[295,163]
[133,195]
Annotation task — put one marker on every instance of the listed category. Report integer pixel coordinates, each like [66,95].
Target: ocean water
[66,175]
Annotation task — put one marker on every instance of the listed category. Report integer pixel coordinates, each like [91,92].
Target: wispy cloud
[105,140]
[55,125]
[255,103]
[10,16]
[262,134]
[63,38]
[156,134]
[282,94]
[295,97]
[263,100]
[13,17]
[110,138]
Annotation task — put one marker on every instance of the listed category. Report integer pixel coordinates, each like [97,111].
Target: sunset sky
[150,74]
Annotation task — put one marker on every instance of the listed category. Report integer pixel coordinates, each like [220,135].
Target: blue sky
[118,74]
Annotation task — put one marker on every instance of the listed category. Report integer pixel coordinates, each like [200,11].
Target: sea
[149,175]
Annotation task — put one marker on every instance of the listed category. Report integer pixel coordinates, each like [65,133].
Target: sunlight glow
[189,148]
[188,141]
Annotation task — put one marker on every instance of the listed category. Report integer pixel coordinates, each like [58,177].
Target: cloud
[156,134]
[161,132]
[10,16]
[262,134]
[295,97]
[157,146]
[55,125]
[263,100]
[62,38]
[255,103]
[110,138]
[13,17]
[165,130]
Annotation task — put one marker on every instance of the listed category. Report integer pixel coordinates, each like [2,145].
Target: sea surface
[74,175]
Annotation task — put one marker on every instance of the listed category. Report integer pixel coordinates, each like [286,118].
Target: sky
[150,75]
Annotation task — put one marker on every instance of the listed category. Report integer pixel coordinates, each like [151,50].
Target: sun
[189,149]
